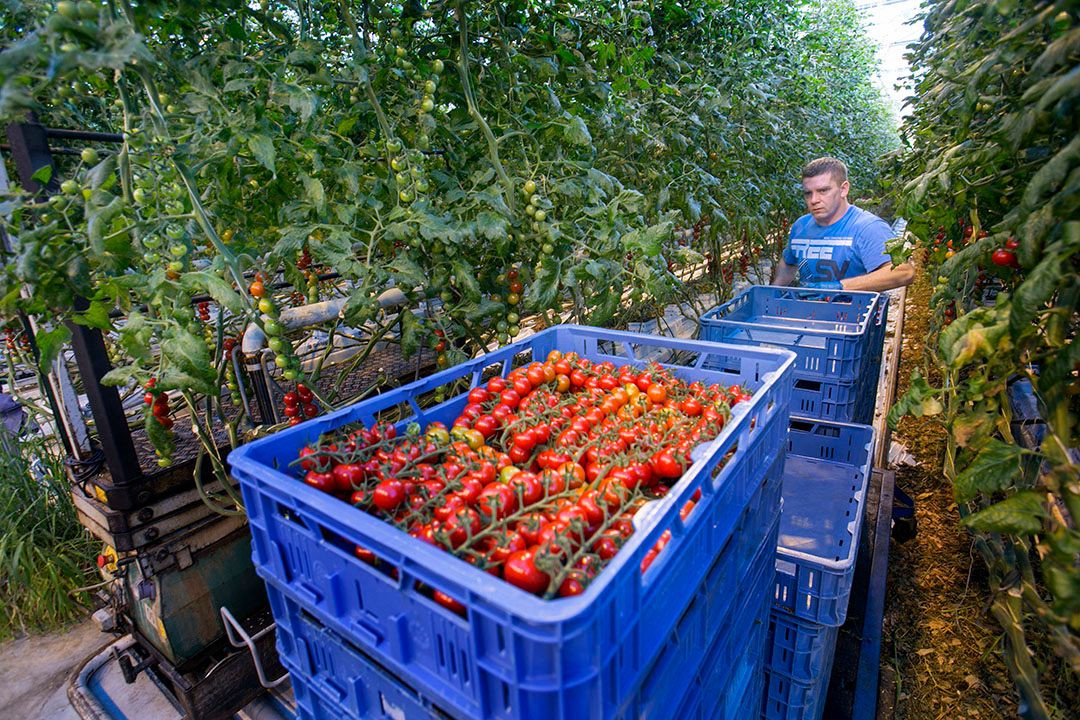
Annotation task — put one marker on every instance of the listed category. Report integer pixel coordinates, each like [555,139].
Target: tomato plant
[502,164]
[989,179]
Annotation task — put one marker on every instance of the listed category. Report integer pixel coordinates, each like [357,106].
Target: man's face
[824,197]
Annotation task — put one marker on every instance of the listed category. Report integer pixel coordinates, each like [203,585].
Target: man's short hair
[823,165]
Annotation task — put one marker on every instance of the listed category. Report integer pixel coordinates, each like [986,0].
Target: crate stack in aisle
[837,335]
[685,632]
[826,475]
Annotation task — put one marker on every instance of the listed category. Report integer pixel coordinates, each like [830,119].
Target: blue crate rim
[863,324]
[477,581]
[855,526]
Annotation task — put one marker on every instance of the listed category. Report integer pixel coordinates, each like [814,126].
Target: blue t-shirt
[853,245]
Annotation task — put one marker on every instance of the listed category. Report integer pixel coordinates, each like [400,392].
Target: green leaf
[314,192]
[1020,514]
[95,316]
[121,376]
[544,289]
[410,332]
[919,401]
[576,132]
[42,175]
[407,273]
[263,149]
[189,365]
[465,278]
[49,343]
[994,468]
[221,291]
[490,225]
[1033,294]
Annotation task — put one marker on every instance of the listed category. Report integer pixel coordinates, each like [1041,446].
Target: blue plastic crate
[825,478]
[334,679]
[787,698]
[831,331]
[585,652]
[799,649]
[835,401]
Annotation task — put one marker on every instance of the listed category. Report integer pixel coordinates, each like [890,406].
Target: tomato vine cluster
[539,477]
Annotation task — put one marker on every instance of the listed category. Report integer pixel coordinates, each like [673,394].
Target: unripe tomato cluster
[284,357]
[539,477]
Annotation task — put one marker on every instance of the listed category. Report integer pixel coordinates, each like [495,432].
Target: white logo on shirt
[818,248]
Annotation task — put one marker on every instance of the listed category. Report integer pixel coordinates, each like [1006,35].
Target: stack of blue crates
[684,637]
[826,475]
[837,335]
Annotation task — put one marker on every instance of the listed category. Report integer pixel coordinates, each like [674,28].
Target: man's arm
[885,277]
[785,274]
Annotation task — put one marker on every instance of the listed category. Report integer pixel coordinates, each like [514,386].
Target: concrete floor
[34,671]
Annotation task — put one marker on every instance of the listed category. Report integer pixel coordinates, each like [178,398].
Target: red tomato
[486,425]
[530,525]
[449,603]
[527,488]
[510,398]
[324,481]
[388,494]
[506,546]
[348,476]
[496,501]
[462,525]
[521,571]
[479,395]
[664,465]
[496,385]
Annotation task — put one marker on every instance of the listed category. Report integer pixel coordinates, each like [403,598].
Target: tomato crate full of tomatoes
[518,535]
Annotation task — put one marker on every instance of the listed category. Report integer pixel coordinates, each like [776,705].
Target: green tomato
[427,105]
[530,188]
[429,87]
[291,374]
[399,51]
[512,318]
[139,195]
[547,249]
[282,361]
[266,305]
[393,147]
[437,67]
[89,156]
[422,186]
[176,266]
[405,196]
[152,258]
[534,200]
[272,327]
[398,164]
[513,331]
[540,216]
[69,187]
[68,9]
[178,250]
[530,210]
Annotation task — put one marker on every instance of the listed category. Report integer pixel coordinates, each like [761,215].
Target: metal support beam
[30,148]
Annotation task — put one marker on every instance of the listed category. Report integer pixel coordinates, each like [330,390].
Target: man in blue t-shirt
[838,246]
